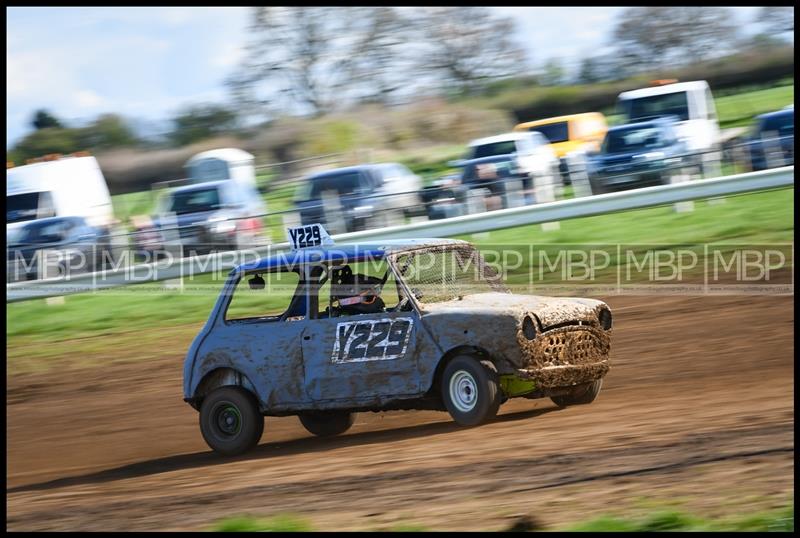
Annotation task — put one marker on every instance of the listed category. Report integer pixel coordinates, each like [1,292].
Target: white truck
[496,162]
[693,104]
[68,186]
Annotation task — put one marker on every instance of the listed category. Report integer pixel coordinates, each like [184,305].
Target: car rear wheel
[327,423]
[470,390]
[230,421]
[582,394]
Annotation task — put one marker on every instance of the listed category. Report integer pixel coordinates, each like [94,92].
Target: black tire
[581,395]
[230,421]
[327,423]
[597,188]
[470,390]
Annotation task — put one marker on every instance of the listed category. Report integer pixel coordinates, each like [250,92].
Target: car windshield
[28,206]
[668,104]
[783,124]
[194,201]
[639,138]
[343,184]
[554,132]
[448,272]
[495,148]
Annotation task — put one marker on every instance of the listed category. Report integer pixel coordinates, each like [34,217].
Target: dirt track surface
[698,407]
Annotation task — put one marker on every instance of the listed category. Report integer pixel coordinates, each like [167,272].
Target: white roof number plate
[311,235]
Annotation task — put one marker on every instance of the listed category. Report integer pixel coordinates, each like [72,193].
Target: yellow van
[570,133]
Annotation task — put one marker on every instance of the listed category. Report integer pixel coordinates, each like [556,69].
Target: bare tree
[381,59]
[466,47]
[654,37]
[301,52]
[707,32]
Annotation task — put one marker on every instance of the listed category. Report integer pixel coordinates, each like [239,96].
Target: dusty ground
[698,410]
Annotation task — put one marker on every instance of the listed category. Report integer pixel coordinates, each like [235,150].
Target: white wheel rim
[463,391]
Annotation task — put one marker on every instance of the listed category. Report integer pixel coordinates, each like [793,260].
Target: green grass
[781,520]
[34,325]
[134,203]
[739,110]
[280,523]
[761,217]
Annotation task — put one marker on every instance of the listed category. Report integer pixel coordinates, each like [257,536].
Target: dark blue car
[772,142]
[57,246]
[637,155]
[355,198]
[322,333]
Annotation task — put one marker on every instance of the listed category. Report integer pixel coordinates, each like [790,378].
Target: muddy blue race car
[324,331]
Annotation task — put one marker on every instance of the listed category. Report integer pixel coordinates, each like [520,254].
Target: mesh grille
[446,272]
[572,347]
[569,346]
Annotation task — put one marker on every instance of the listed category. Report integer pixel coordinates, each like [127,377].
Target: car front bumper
[565,356]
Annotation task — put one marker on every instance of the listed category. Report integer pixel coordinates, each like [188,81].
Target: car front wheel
[327,423]
[230,421]
[470,390]
[582,394]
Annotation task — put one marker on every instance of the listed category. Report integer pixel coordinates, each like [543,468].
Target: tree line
[304,60]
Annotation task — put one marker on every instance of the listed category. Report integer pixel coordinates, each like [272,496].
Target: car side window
[358,288]
[265,296]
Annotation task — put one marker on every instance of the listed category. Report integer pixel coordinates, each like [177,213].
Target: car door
[259,335]
[362,357]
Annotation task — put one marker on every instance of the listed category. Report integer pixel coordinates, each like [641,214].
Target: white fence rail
[484,222]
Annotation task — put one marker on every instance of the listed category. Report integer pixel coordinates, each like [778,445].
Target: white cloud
[229,55]
[34,74]
[89,100]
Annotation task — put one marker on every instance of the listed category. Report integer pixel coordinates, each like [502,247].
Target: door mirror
[256,283]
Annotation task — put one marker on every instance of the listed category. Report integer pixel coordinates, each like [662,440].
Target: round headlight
[529,328]
[605,319]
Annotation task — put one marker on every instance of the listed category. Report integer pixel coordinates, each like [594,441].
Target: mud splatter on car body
[393,359]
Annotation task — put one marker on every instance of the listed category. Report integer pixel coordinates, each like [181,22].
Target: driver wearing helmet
[354,294]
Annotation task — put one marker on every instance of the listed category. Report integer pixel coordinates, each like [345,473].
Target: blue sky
[146,63]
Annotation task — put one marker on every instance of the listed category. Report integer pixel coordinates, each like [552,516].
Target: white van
[58,187]
[227,164]
[220,164]
[693,105]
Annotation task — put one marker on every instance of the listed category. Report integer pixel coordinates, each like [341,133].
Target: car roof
[776,113]
[694,85]
[556,119]
[349,253]
[505,137]
[232,155]
[345,169]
